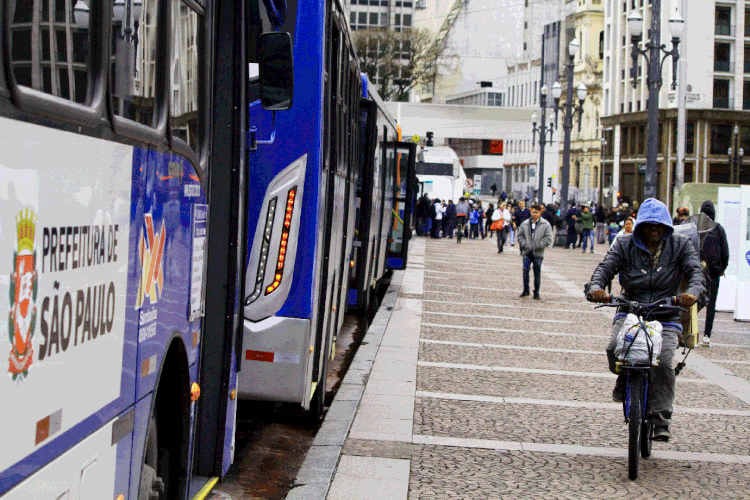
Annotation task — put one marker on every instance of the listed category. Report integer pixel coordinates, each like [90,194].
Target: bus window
[49,47]
[186,117]
[133,64]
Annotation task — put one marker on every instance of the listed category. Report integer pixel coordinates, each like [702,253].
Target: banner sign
[742,305]
[728,215]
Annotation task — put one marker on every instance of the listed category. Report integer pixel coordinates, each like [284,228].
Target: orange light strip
[284,241]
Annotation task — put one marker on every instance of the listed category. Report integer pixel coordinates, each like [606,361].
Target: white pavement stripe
[574,449]
[474,288]
[569,404]
[498,317]
[537,371]
[730,362]
[516,347]
[585,305]
[510,306]
[439,325]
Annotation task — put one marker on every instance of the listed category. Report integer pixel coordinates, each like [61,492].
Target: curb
[314,477]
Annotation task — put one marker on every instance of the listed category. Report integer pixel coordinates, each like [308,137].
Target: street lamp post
[569,112]
[601,173]
[735,158]
[652,53]
[542,130]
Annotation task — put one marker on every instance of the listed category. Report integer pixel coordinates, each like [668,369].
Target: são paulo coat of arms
[23,291]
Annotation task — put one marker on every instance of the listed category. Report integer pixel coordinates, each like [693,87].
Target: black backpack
[710,240]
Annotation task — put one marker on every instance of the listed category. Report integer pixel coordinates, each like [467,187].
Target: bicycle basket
[636,345]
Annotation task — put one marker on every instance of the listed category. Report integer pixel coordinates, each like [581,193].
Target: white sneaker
[706,341]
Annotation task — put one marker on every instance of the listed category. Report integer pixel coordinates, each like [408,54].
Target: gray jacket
[462,208]
[541,240]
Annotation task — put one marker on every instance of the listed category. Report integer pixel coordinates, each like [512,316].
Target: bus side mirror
[276,71]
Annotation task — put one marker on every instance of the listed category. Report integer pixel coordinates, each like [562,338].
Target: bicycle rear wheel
[635,394]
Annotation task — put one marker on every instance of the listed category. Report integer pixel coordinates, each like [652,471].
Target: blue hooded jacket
[644,277]
[655,212]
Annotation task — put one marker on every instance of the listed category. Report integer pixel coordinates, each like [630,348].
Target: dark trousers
[528,261]
[572,235]
[474,231]
[447,227]
[711,307]
[481,228]
[436,226]
[502,235]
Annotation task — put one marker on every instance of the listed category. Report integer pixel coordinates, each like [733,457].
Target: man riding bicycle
[651,262]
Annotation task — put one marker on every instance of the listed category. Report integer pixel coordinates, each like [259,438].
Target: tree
[400,60]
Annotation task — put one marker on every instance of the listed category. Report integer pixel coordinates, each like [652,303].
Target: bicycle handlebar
[668,303]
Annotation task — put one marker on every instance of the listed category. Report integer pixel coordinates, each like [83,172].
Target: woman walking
[503,214]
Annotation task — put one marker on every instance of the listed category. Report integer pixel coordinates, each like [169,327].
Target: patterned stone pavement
[513,397]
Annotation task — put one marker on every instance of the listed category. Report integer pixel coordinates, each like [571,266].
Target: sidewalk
[468,391]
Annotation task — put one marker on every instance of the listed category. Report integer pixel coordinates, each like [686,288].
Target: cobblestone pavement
[512,396]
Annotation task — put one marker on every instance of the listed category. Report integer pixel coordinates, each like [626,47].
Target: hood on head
[655,212]
[708,209]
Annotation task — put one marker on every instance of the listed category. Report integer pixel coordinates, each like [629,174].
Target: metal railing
[724,66]
[723,103]
[724,29]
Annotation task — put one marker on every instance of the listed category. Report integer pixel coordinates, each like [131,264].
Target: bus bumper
[275,366]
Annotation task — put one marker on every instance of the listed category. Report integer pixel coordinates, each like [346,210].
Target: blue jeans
[527,263]
[588,235]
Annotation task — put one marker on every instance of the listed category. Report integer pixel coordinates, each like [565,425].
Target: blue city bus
[122,171]
[324,201]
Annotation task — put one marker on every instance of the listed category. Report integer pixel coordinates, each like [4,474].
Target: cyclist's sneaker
[617,393]
[662,434]
[706,341]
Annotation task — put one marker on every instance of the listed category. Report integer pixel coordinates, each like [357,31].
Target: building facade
[585,23]
[715,48]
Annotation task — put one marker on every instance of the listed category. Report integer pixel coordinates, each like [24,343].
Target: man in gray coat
[534,235]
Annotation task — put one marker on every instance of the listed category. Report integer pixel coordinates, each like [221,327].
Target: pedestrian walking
[601,224]
[437,218]
[474,222]
[450,215]
[493,189]
[488,219]
[502,214]
[511,231]
[571,217]
[534,235]
[682,214]
[462,217]
[519,216]
[423,215]
[480,214]
[627,228]
[587,218]
[445,219]
[715,250]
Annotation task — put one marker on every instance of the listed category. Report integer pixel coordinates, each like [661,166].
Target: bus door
[406,187]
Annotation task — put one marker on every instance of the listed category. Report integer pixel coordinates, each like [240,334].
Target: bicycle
[635,403]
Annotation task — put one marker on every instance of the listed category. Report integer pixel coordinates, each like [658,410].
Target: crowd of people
[585,225]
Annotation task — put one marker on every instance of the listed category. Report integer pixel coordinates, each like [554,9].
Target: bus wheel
[151,486]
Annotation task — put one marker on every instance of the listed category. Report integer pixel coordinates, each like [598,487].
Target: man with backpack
[715,253]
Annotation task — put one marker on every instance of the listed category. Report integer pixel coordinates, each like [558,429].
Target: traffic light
[549,181]
[554,191]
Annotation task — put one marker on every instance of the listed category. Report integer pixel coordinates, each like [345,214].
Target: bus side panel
[87,470]
[65,264]
[163,253]
[142,415]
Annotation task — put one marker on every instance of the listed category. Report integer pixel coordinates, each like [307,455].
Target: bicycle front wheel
[635,394]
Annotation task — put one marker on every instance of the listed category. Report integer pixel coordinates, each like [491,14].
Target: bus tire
[151,485]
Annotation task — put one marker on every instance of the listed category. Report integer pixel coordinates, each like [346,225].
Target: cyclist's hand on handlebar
[598,296]
[686,299]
